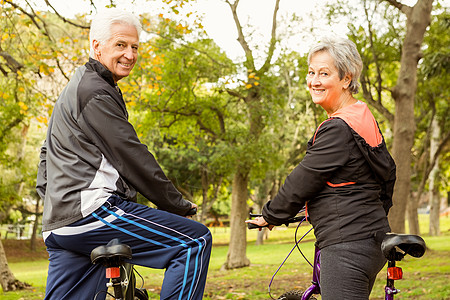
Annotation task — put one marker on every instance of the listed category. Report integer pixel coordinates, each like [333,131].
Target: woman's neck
[346,99]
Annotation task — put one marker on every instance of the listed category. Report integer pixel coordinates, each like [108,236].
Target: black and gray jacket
[92,152]
[346,179]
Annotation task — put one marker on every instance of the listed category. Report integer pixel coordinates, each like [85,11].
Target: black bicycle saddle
[410,244]
[112,252]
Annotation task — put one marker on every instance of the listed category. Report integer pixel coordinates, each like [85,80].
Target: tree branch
[241,38]
[206,129]
[235,94]
[64,19]
[13,64]
[8,127]
[31,16]
[221,119]
[189,47]
[3,70]
[273,39]
[367,95]
[406,9]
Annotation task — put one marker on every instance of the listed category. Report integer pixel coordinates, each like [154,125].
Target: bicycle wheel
[140,294]
[294,295]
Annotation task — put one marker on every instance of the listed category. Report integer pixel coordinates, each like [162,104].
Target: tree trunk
[205,185]
[413,217]
[433,186]
[418,19]
[264,233]
[7,279]
[236,257]
[35,226]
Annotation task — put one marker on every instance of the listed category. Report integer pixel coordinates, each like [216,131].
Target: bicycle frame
[393,273]
[394,247]
[121,274]
[315,287]
[389,290]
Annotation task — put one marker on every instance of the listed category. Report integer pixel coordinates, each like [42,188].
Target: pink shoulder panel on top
[361,120]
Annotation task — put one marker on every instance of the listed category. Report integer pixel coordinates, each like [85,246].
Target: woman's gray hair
[101,24]
[346,58]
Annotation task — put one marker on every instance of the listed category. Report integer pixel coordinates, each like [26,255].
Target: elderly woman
[346,178]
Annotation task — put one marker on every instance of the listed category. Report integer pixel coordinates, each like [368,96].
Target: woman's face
[323,81]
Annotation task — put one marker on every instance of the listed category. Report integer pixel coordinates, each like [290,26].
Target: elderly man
[92,165]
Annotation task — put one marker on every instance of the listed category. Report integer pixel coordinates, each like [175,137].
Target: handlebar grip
[191,212]
[254,226]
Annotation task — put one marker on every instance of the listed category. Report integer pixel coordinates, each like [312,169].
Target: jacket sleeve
[326,153]
[105,122]
[41,181]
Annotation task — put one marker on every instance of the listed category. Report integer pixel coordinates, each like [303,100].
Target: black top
[346,183]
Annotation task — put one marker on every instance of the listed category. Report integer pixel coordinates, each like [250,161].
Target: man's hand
[192,211]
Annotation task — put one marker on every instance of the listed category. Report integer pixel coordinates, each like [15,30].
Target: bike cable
[290,252]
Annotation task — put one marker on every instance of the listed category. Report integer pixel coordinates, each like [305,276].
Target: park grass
[424,278]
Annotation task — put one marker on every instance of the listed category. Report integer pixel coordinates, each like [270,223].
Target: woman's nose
[314,80]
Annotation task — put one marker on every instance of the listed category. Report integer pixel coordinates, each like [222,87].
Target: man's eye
[310,73]
[324,74]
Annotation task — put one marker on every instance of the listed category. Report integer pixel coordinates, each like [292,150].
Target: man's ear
[96,47]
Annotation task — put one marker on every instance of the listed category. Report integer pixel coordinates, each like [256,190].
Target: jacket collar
[96,66]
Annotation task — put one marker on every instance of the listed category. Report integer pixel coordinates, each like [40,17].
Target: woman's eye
[324,74]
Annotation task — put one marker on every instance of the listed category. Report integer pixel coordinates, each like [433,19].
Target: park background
[219,96]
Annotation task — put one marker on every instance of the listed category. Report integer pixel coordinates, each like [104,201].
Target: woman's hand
[260,222]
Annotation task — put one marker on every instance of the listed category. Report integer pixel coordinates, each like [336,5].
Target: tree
[418,19]
[7,279]
[193,96]
[252,97]
[36,55]
[434,107]
[387,70]
[176,113]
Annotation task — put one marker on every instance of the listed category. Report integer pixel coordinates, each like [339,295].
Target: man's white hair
[101,25]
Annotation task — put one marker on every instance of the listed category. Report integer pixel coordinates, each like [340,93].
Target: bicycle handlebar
[287,222]
[191,212]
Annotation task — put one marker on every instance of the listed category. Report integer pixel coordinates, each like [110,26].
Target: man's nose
[129,53]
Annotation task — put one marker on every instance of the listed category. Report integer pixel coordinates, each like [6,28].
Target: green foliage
[433,92]
[37,52]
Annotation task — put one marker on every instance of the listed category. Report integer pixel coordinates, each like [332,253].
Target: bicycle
[121,274]
[394,247]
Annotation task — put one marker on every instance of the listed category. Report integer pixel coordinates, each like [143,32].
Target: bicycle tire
[140,294]
[294,295]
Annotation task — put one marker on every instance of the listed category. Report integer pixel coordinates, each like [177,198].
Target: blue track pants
[158,239]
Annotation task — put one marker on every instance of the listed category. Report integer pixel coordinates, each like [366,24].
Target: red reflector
[395,273]
[112,272]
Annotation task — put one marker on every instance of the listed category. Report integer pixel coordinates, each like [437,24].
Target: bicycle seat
[110,253]
[396,246]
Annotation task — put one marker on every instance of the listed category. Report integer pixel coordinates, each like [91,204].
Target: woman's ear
[347,81]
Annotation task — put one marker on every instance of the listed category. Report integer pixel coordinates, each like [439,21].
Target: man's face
[120,52]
